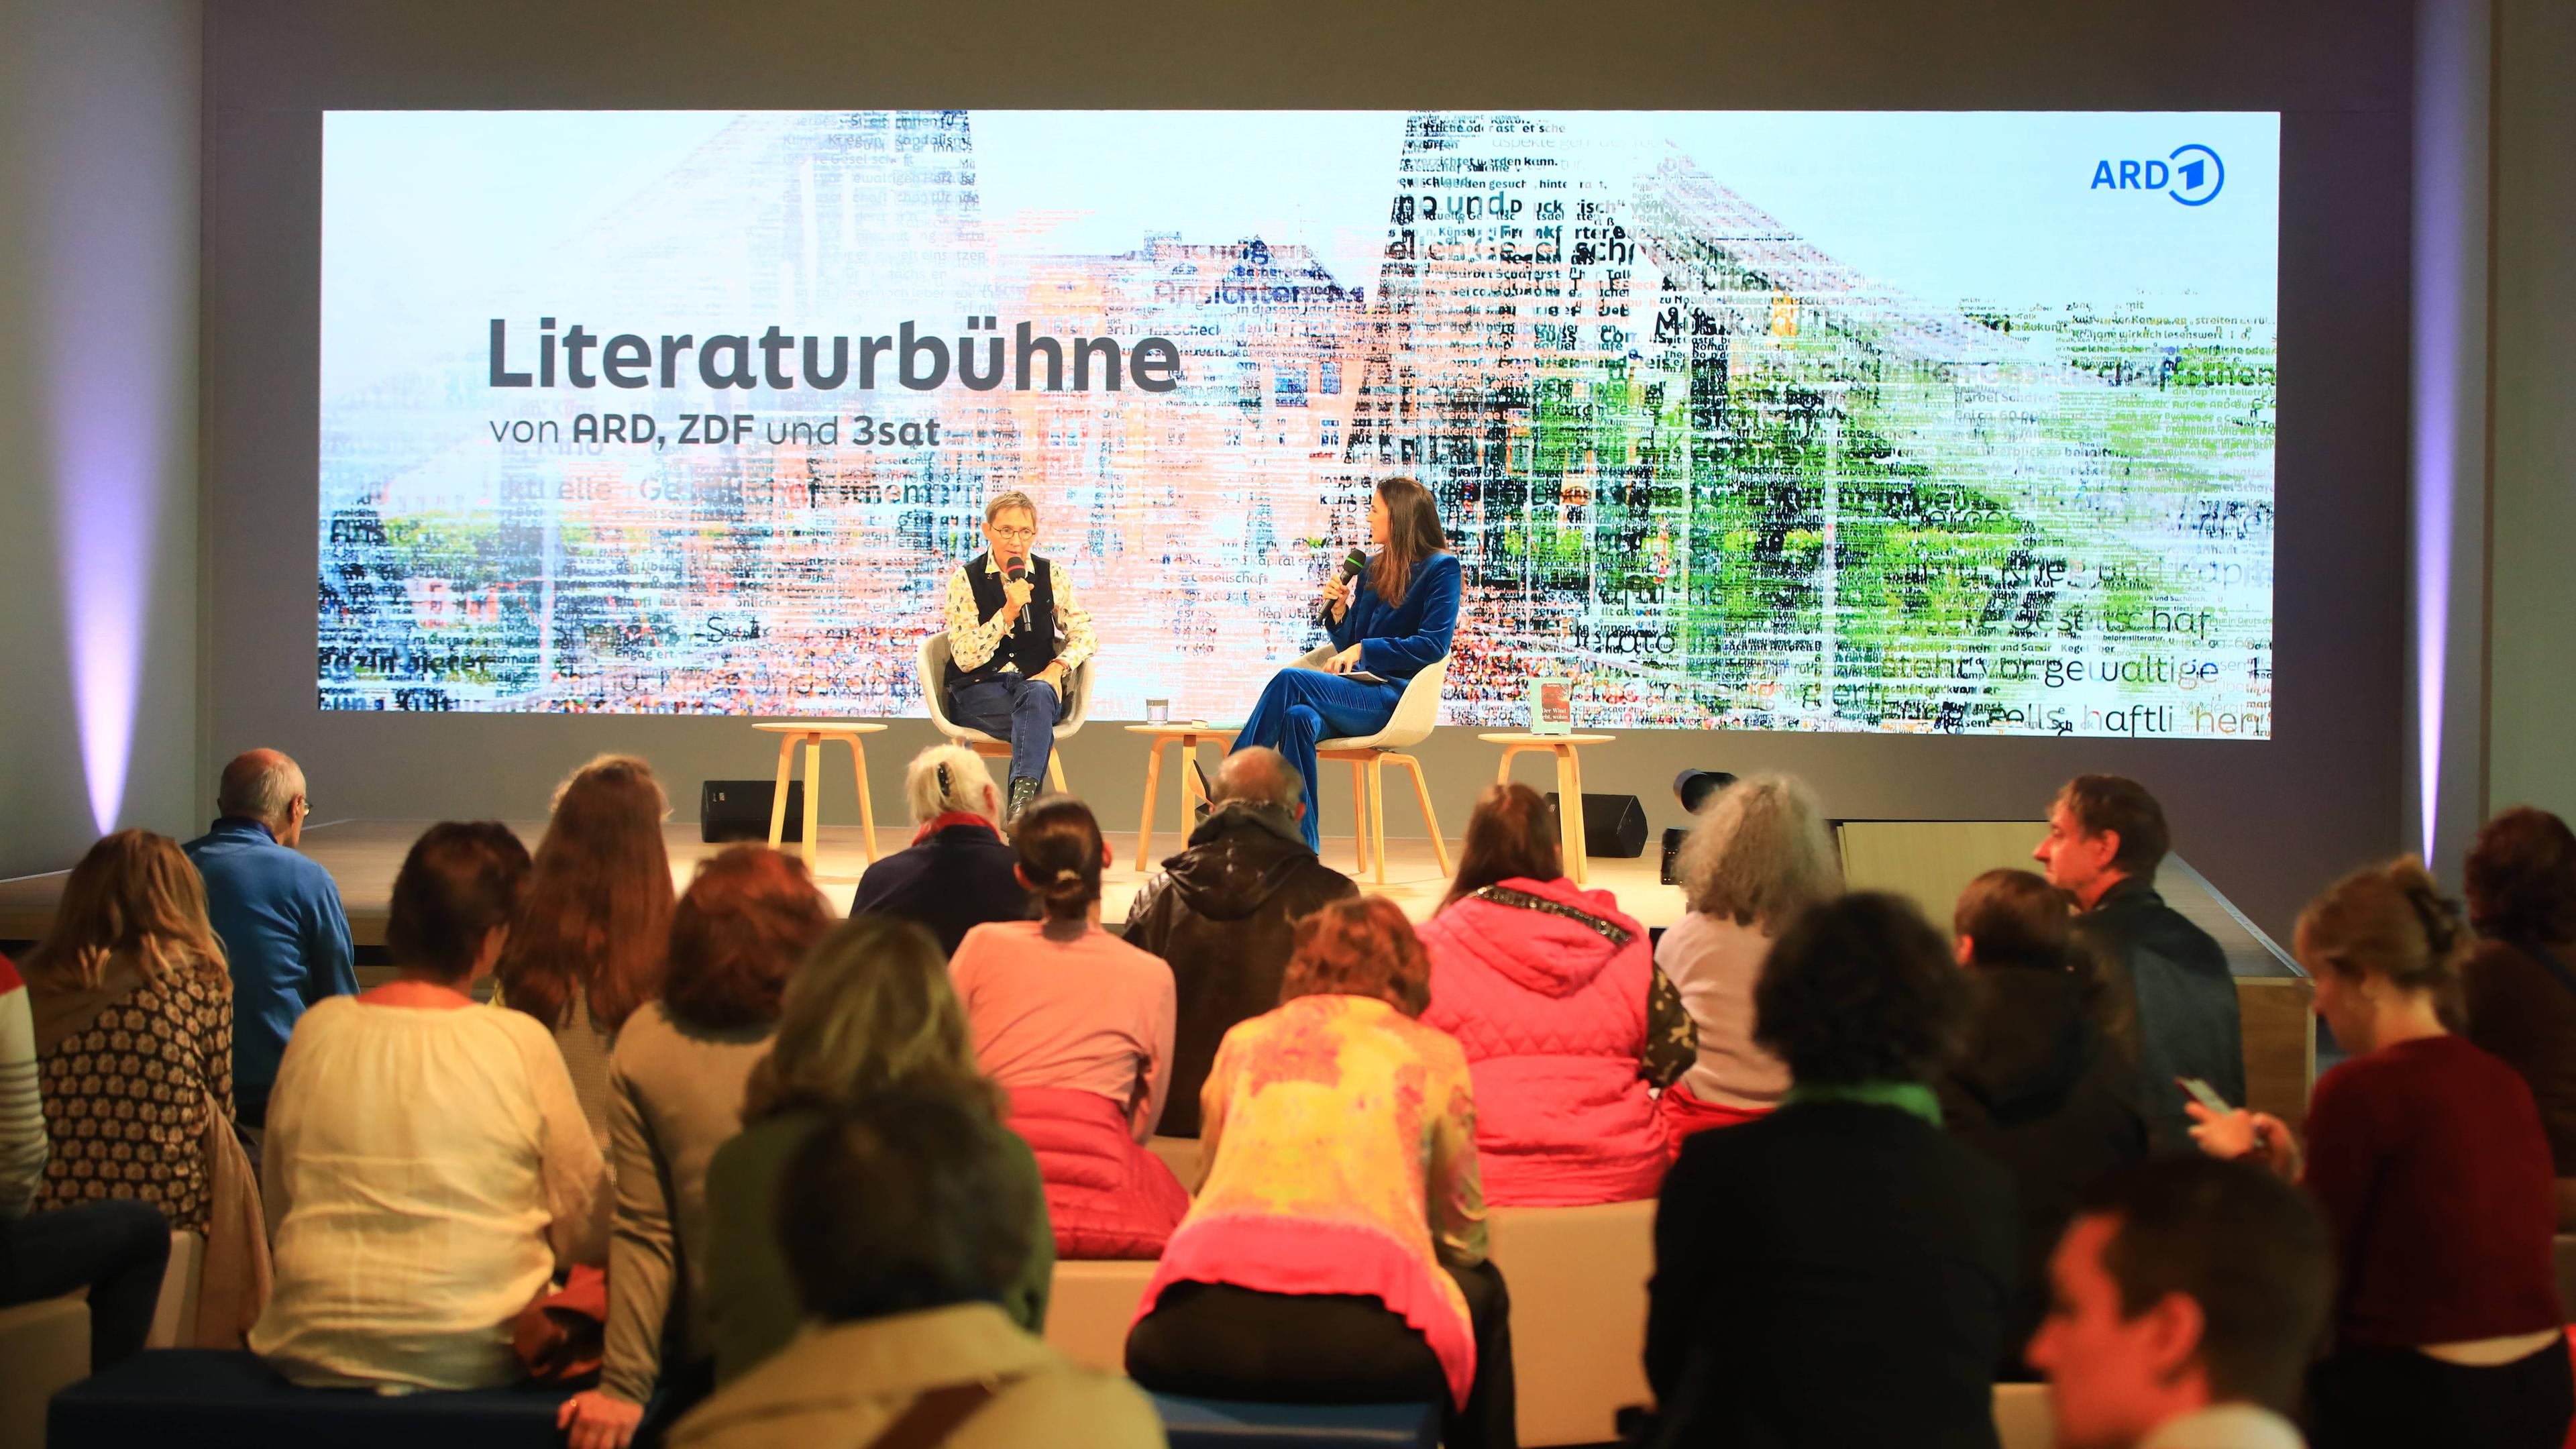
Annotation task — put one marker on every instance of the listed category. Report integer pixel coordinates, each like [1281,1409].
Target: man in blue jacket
[278,914]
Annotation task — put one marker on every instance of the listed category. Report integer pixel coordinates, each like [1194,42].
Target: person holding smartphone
[1391,621]
[2428,1158]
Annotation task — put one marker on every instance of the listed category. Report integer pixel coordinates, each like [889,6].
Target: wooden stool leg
[867,812]
[1377,814]
[778,797]
[813,795]
[1359,818]
[1569,807]
[1503,771]
[1153,783]
[1055,771]
[1422,795]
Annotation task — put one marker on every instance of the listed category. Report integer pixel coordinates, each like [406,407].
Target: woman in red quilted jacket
[1076,1025]
[1547,986]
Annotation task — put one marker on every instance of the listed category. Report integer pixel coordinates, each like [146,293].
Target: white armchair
[1415,714]
[934,670]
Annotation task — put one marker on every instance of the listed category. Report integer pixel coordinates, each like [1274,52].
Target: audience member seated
[1759,857]
[2520,986]
[1336,1252]
[2186,1302]
[428,1169]
[958,872]
[1221,913]
[277,913]
[2167,979]
[115,1250]
[1545,984]
[2041,1088]
[869,1011]
[676,1087]
[587,948]
[2429,1160]
[1838,1273]
[133,1017]
[902,1227]
[1076,1026]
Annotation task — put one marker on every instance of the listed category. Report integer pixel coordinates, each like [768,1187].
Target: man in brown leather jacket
[1221,913]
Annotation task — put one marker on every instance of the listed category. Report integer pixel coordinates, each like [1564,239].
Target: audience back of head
[261,785]
[2176,1269]
[460,882]
[949,779]
[597,917]
[870,1009]
[2521,878]
[133,895]
[2389,921]
[1261,775]
[2014,918]
[1061,856]
[1359,947]
[1761,854]
[901,1204]
[1512,834]
[736,936]
[1861,989]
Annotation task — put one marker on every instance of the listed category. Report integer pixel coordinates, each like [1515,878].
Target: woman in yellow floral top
[1336,1251]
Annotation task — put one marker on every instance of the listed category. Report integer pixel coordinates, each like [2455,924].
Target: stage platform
[363,855]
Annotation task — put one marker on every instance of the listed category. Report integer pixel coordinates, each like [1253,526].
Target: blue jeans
[1022,711]
[117,1249]
[1301,706]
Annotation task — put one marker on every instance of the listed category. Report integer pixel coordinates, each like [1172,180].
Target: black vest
[1030,644]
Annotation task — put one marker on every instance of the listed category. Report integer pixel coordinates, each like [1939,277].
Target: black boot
[1022,792]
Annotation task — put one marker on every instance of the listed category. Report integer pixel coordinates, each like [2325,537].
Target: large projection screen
[1956,422]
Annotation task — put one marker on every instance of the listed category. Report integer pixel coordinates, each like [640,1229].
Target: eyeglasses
[1020,533]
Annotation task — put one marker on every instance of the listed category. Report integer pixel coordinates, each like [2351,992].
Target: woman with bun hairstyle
[2428,1158]
[1076,1026]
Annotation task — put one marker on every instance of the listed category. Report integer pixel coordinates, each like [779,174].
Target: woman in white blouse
[428,1167]
[1759,857]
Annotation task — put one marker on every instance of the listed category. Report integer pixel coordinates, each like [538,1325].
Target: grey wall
[2532,666]
[2268,821]
[99,131]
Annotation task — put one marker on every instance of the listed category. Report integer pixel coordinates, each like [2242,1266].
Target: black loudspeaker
[739,810]
[1613,825]
[1674,839]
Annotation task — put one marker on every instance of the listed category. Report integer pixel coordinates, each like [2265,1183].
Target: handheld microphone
[1353,564]
[1016,568]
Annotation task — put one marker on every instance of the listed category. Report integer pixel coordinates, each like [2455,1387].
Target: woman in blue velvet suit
[1392,622]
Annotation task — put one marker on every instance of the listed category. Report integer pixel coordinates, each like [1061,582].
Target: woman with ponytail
[1076,1026]
[2428,1157]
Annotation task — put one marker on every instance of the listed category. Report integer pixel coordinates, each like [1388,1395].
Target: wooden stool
[1569,786]
[812,733]
[1187,736]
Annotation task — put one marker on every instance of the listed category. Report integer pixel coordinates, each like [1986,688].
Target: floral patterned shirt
[126,1098]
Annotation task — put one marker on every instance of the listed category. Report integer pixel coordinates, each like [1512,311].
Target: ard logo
[2192,175]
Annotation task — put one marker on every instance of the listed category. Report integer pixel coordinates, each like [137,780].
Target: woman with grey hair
[956,875]
[1759,857]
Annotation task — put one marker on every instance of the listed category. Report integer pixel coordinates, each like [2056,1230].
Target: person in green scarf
[1840,1271]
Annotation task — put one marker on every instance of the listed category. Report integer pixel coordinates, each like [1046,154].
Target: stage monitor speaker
[1613,825]
[739,810]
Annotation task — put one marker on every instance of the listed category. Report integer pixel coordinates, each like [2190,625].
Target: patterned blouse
[1340,1139]
[972,639]
[125,1098]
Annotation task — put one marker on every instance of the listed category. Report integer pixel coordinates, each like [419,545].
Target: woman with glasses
[1007,664]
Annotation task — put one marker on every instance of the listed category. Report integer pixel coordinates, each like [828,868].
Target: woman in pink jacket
[1547,987]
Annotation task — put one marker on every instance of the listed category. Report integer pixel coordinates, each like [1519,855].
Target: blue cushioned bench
[210,1399]
[1224,1424]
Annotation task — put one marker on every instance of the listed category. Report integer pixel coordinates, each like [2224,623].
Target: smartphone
[2203,1093]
